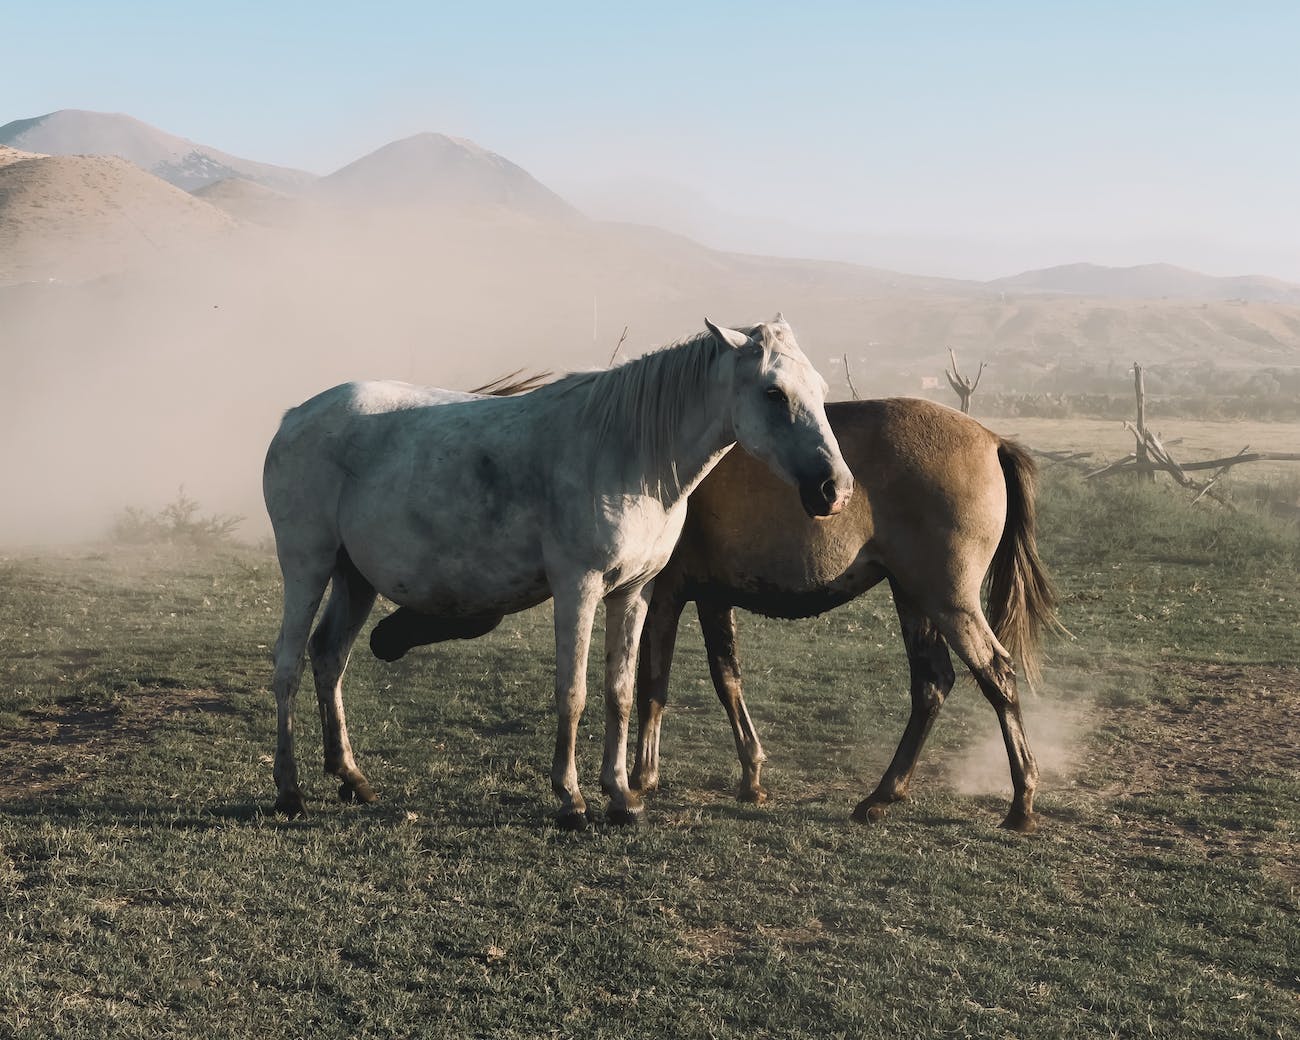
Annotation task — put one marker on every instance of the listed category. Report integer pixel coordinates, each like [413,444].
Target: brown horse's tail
[1022,602]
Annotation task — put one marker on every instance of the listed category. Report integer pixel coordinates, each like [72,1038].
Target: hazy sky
[957,138]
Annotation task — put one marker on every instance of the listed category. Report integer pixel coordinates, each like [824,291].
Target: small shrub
[178,523]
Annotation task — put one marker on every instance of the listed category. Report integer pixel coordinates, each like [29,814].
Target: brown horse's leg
[975,644]
[624,619]
[658,638]
[718,622]
[351,598]
[932,679]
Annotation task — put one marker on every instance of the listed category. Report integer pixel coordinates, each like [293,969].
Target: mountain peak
[436,170]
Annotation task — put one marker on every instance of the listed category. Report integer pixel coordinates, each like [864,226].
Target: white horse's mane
[639,406]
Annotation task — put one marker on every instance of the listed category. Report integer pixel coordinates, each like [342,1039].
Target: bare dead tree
[1141,454]
[1150,455]
[963,387]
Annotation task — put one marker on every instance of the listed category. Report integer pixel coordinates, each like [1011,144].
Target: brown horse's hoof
[357,792]
[868,811]
[1021,822]
[571,821]
[751,795]
[623,817]
[291,806]
[635,783]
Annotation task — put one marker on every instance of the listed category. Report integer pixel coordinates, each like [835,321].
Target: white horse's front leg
[625,614]
[575,611]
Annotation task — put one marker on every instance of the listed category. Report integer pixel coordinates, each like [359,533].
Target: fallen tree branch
[1128,463]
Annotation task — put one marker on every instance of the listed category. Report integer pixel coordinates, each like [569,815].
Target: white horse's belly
[468,573]
[444,556]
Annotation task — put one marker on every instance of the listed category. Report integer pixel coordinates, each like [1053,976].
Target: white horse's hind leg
[575,611]
[624,617]
[303,589]
[351,598]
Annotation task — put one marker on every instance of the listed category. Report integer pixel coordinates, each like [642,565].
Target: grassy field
[146,890]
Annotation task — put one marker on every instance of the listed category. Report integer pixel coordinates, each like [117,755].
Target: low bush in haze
[178,522]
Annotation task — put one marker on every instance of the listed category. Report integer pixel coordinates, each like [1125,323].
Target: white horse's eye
[775,393]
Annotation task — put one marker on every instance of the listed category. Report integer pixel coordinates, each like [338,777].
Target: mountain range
[86,194]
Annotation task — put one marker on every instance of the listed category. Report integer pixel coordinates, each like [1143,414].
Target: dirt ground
[67,741]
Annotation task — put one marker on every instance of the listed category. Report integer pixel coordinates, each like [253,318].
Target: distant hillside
[1023,335]
[256,203]
[435,171]
[77,217]
[1148,282]
[175,159]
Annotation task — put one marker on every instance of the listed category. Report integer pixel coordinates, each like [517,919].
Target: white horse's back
[420,486]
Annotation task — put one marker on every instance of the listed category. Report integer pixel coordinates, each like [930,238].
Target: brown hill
[177,160]
[1149,282]
[74,217]
[1021,335]
[250,201]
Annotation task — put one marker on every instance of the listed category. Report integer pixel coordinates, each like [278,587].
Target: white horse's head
[778,413]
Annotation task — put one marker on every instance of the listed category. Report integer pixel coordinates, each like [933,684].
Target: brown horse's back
[928,508]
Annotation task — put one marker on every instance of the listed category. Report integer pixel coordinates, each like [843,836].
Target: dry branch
[616,347]
[1061,456]
[848,375]
[1128,462]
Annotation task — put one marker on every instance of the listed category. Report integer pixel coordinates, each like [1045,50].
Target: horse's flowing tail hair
[1022,602]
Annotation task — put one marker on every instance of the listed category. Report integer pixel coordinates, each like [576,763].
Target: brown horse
[940,503]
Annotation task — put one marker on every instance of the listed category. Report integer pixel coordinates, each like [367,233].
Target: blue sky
[1034,132]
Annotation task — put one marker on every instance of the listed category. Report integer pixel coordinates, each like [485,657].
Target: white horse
[464,508]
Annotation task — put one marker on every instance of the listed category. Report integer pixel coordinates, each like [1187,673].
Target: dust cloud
[150,339]
[174,367]
[1058,729]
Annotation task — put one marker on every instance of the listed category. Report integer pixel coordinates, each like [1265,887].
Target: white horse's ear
[728,337]
[780,320]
